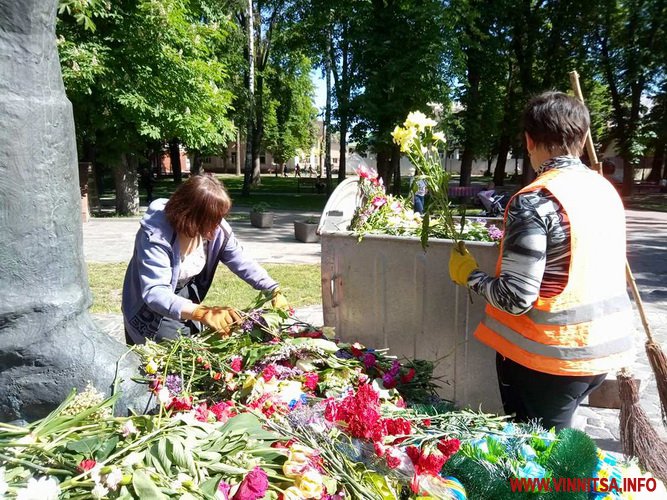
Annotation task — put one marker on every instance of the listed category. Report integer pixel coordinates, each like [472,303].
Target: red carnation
[180,404]
[86,465]
[407,377]
[448,447]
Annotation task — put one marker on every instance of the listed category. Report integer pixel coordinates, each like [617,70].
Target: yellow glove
[461,264]
[219,319]
[278,300]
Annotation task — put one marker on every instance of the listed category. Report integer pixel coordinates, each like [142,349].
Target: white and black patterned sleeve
[524,256]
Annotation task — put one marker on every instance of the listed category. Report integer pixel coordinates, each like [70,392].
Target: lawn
[301,284]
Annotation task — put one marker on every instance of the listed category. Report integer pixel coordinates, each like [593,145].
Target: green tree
[289,111]
[626,41]
[149,73]
[400,69]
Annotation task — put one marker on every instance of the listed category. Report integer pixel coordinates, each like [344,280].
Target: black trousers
[529,394]
[173,328]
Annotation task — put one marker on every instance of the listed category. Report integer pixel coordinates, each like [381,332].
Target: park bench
[464,193]
[314,183]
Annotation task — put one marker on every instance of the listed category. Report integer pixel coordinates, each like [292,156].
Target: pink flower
[201,412]
[236,364]
[269,372]
[253,486]
[393,457]
[180,404]
[223,489]
[223,411]
[369,360]
[311,380]
[378,201]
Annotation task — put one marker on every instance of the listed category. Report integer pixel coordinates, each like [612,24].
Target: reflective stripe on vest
[582,313]
[614,346]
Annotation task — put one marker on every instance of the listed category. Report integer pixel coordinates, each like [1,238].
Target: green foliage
[289,111]
[149,71]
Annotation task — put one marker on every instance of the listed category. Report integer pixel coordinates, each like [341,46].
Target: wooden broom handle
[590,149]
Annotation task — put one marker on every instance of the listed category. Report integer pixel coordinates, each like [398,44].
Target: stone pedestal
[48,342]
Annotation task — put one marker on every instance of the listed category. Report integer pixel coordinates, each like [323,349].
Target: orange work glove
[461,264]
[278,300]
[219,319]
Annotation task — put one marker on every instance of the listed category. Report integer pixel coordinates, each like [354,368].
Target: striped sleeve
[535,255]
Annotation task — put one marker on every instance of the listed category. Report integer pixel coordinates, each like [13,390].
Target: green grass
[301,284]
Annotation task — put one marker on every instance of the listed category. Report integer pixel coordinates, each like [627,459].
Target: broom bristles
[658,360]
[638,436]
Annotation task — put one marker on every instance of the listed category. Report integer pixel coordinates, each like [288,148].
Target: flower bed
[281,409]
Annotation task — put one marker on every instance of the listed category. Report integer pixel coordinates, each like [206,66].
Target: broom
[638,436]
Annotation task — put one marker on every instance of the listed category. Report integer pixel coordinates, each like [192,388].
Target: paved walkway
[111,240]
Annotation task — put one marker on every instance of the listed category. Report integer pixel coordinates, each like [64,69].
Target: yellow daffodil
[404,137]
[311,483]
[151,367]
[293,493]
[439,137]
[418,120]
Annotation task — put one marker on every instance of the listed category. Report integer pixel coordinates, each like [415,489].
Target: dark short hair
[557,121]
[198,205]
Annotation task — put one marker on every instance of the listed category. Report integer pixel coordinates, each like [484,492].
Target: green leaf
[210,486]
[178,452]
[164,449]
[145,488]
[106,448]
[87,446]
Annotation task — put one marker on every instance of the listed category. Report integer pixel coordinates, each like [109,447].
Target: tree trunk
[238,152]
[471,119]
[49,343]
[327,122]
[342,162]
[127,186]
[658,163]
[501,162]
[628,177]
[384,166]
[248,166]
[466,165]
[258,132]
[396,169]
[175,158]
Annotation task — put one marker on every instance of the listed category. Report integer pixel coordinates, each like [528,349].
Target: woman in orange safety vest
[558,312]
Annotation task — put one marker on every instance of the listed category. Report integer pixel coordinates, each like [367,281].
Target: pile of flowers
[282,410]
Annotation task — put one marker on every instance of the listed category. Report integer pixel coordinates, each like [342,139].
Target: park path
[111,240]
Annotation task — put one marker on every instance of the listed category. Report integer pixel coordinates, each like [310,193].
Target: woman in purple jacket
[176,252]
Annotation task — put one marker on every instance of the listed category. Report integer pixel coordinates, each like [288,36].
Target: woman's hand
[220,319]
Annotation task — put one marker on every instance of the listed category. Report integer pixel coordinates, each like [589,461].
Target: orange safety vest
[587,329]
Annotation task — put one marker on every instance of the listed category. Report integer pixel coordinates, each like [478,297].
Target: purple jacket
[152,274]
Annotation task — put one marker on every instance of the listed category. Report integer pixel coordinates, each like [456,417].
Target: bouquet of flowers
[380,213]
[420,142]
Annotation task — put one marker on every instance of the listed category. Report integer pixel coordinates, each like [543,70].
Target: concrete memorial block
[48,342]
[385,291]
